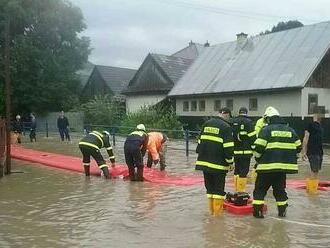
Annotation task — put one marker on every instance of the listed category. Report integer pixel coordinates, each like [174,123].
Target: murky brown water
[45,207]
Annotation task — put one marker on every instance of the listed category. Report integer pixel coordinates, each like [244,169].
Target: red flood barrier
[75,164]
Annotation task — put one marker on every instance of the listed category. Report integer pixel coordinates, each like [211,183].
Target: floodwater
[46,207]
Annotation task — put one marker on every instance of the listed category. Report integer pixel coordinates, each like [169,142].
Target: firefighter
[156,149]
[215,157]
[276,150]
[135,148]
[90,145]
[244,136]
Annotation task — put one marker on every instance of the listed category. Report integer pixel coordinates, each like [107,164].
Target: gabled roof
[174,67]
[192,51]
[85,72]
[171,68]
[115,77]
[274,61]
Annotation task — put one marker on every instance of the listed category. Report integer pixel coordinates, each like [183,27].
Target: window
[185,106]
[193,106]
[230,104]
[312,103]
[253,104]
[201,105]
[217,105]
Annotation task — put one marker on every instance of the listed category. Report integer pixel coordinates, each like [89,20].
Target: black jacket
[277,147]
[18,126]
[62,123]
[215,147]
[244,135]
[98,140]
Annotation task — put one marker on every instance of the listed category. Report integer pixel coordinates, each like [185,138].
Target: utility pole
[8,93]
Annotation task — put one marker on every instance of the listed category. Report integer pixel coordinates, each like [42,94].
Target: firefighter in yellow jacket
[90,145]
[215,156]
[276,151]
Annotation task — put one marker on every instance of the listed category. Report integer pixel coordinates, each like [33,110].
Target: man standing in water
[313,151]
[135,148]
[276,152]
[215,156]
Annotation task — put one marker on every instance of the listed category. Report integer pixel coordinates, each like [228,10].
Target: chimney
[207,44]
[241,39]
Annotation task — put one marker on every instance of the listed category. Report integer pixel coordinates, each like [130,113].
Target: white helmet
[106,133]
[141,127]
[271,111]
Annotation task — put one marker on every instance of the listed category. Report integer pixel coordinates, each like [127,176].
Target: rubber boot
[241,184]
[217,207]
[211,207]
[313,185]
[257,211]
[86,169]
[139,174]
[235,182]
[282,210]
[131,173]
[106,173]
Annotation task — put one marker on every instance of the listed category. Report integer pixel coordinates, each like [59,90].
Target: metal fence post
[187,142]
[46,128]
[113,138]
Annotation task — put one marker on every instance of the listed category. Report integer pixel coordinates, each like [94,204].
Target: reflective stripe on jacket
[215,146]
[276,149]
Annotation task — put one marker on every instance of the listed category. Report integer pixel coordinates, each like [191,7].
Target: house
[107,80]
[289,70]
[157,75]
[85,73]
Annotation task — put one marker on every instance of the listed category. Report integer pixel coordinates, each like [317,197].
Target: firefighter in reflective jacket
[156,149]
[244,137]
[276,150]
[135,148]
[90,145]
[215,157]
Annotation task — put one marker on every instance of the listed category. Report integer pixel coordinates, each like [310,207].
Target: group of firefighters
[135,147]
[224,143]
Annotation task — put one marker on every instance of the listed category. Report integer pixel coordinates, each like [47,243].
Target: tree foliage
[155,117]
[46,52]
[281,26]
[103,110]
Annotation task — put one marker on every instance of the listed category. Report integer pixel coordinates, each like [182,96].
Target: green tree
[103,110]
[281,26]
[46,52]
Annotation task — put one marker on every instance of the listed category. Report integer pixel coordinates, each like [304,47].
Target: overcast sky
[123,32]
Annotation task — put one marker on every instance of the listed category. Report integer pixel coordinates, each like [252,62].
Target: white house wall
[135,103]
[288,103]
[323,98]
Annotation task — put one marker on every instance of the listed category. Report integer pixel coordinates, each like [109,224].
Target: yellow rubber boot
[211,205]
[217,206]
[313,185]
[235,182]
[241,184]
[308,183]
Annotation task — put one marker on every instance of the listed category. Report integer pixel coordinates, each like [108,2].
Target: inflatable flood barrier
[75,164]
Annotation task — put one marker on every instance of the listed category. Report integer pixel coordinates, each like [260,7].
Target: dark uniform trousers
[88,151]
[215,183]
[242,165]
[133,155]
[263,182]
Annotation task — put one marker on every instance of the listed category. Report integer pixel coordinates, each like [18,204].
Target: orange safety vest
[155,144]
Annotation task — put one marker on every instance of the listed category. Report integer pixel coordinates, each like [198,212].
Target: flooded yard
[46,207]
